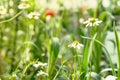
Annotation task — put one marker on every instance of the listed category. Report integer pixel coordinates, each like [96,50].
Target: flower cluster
[92,22]
[76,44]
[34,15]
[3,10]
[41,73]
[39,64]
[23,5]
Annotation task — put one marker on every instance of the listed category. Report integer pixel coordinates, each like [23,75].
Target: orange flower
[50,12]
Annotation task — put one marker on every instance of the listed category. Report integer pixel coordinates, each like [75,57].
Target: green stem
[118,49]
[8,20]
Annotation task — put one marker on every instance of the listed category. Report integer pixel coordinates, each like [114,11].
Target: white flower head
[34,15]
[40,64]
[92,22]
[41,73]
[110,77]
[106,3]
[23,5]
[76,44]
[11,12]
[3,10]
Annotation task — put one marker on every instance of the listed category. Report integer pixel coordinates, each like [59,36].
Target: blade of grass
[88,52]
[118,49]
[25,69]
[52,56]
[107,53]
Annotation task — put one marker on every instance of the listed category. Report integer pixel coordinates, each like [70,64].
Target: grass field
[59,40]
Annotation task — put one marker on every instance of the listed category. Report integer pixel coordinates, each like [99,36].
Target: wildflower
[92,22]
[2,10]
[110,77]
[106,3]
[41,73]
[11,12]
[50,12]
[39,64]
[34,15]
[76,44]
[23,5]
[20,32]
[11,3]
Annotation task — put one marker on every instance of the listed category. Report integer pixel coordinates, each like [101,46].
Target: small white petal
[87,24]
[34,15]
[36,65]
[92,22]
[110,77]
[81,20]
[3,10]
[41,73]
[78,47]
[23,5]
[75,44]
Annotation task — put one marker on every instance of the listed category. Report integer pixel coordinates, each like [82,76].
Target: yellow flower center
[93,20]
[34,15]
[76,42]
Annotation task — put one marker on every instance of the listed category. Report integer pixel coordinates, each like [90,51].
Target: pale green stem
[8,20]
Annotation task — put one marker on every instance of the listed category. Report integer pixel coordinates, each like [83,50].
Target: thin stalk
[14,41]
[79,62]
[25,69]
[97,8]
[75,67]
[59,70]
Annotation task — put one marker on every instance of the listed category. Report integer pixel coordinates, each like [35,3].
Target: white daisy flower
[3,10]
[92,22]
[76,44]
[41,73]
[110,77]
[34,15]
[23,5]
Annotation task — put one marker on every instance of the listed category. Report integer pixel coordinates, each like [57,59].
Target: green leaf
[52,57]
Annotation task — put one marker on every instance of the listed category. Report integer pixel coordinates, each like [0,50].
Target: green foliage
[34,40]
